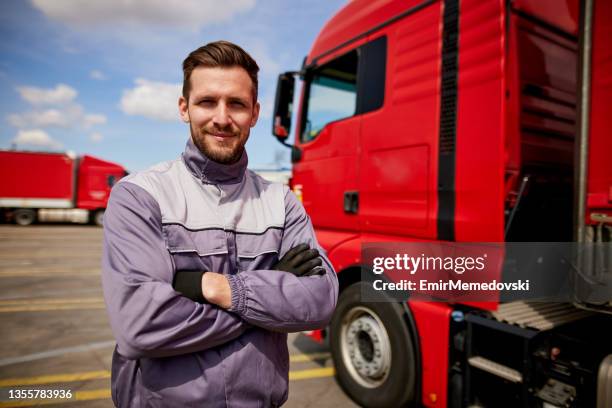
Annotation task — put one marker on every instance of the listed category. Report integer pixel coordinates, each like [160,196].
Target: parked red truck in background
[460,121]
[55,186]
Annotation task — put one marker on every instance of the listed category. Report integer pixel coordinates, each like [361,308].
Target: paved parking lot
[55,335]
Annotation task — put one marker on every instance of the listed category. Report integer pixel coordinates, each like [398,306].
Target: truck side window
[332,94]
[347,86]
[111,180]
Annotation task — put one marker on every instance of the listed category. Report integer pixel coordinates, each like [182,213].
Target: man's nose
[222,116]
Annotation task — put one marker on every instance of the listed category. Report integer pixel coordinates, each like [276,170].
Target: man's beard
[219,155]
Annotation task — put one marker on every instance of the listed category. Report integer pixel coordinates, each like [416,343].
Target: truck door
[328,138]
[337,95]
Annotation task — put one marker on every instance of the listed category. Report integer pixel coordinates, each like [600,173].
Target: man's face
[220,111]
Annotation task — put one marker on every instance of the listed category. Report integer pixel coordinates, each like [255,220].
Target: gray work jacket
[196,214]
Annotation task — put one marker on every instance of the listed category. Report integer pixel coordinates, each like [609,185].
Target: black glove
[189,284]
[301,261]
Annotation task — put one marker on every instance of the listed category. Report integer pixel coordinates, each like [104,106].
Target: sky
[103,77]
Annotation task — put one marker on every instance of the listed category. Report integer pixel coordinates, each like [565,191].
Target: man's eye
[206,102]
[238,104]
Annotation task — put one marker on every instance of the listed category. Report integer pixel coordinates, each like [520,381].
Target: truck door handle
[351,202]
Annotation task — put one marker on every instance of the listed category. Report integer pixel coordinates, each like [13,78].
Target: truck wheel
[373,351]
[24,217]
[98,218]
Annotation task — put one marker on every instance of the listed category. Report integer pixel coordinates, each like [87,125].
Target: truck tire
[98,218]
[373,351]
[24,216]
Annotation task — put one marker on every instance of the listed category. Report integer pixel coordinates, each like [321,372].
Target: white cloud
[97,75]
[36,137]
[61,94]
[93,119]
[64,112]
[178,13]
[46,118]
[96,137]
[153,100]
[69,116]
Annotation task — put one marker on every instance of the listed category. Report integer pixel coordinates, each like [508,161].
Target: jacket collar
[211,172]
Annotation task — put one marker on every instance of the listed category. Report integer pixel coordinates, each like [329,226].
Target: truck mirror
[283,103]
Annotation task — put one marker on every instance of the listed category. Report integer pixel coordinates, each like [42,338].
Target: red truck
[460,121]
[55,186]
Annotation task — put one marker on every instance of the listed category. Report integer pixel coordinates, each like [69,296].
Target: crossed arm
[150,318]
[214,288]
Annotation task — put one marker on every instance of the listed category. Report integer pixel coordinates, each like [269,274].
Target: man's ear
[255,114]
[183,109]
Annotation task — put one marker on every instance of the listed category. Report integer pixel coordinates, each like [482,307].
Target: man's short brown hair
[219,54]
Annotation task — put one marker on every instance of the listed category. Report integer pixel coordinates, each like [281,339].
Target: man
[237,248]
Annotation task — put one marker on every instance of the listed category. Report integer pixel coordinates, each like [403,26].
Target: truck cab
[472,121]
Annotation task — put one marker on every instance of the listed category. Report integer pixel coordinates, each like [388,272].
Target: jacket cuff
[238,294]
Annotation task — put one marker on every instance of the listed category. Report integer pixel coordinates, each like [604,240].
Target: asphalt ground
[55,333]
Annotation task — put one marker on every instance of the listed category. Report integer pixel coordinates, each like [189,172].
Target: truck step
[497,369]
[538,315]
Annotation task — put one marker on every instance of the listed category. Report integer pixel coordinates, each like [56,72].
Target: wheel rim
[99,218]
[24,218]
[366,348]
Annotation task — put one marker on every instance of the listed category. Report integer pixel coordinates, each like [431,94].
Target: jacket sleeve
[147,316]
[281,301]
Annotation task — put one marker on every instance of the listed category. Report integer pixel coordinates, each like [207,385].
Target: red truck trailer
[55,186]
[465,122]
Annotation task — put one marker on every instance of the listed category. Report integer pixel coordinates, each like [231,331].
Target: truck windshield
[332,95]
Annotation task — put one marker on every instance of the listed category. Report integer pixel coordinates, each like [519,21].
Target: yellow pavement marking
[32,402]
[17,274]
[50,301]
[312,373]
[105,393]
[56,378]
[300,358]
[87,395]
[93,394]
[42,308]
[38,305]
[105,374]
